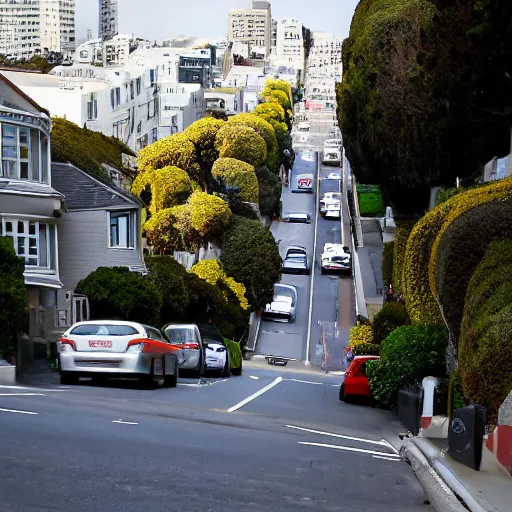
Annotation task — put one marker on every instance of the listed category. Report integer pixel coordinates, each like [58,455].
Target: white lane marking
[125,422]
[19,412]
[349,449]
[253,377]
[190,385]
[389,445]
[255,395]
[336,373]
[385,458]
[340,436]
[31,389]
[22,394]
[306,382]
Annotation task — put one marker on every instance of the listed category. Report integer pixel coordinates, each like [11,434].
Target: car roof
[181,326]
[111,322]
[301,247]
[287,286]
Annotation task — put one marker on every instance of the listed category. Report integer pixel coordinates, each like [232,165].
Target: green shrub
[270,188]
[371,203]
[403,230]
[460,246]
[235,353]
[408,355]
[171,279]
[238,174]
[447,193]
[485,345]
[117,293]
[241,143]
[366,349]
[387,263]
[391,316]
[360,335]
[13,299]
[87,149]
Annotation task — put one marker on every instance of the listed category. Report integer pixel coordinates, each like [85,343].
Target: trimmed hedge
[366,349]
[239,174]
[242,143]
[13,299]
[163,229]
[209,214]
[371,203]
[390,317]
[117,293]
[485,345]
[477,217]
[361,335]
[270,188]
[403,230]
[387,263]
[235,353]
[408,355]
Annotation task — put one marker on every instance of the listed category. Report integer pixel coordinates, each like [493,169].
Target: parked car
[336,258]
[332,156]
[297,217]
[333,211]
[304,183]
[282,307]
[187,341]
[355,382]
[328,198]
[295,260]
[216,352]
[334,176]
[113,348]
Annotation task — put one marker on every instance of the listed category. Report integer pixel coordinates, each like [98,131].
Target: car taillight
[136,346]
[66,344]
[191,346]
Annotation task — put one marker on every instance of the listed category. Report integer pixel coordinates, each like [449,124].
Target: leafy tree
[250,255]
[270,188]
[202,134]
[117,293]
[238,174]
[279,97]
[391,316]
[169,230]
[274,85]
[13,299]
[171,279]
[242,143]
[271,110]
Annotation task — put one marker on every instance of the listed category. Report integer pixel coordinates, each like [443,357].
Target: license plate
[100,343]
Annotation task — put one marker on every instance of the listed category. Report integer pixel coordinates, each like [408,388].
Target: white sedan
[217,358]
[334,176]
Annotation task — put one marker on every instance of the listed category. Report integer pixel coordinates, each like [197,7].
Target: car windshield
[287,293]
[104,330]
[181,334]
[339,259]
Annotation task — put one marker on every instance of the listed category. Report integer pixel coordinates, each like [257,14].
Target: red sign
[304,183]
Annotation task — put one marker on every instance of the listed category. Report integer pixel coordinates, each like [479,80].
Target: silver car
[113,348]
[284,302]
[295,260]
[188,342]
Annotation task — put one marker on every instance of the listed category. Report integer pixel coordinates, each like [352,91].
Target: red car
[355,382]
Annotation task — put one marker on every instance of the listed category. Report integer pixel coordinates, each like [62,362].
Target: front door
[80,308]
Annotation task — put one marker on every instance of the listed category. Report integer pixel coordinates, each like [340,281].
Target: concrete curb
[8,375]
[439,494]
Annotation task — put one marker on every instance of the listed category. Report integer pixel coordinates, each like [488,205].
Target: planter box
[8,375]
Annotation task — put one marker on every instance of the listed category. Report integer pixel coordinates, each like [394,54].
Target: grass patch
[371,203]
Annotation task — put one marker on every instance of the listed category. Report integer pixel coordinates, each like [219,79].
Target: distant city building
[57,26]
[19,28]
[252,26]
[108,19]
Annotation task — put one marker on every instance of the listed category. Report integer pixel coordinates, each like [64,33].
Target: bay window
[24,153]
[33,241]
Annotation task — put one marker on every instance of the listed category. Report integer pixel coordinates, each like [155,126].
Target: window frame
[131,229]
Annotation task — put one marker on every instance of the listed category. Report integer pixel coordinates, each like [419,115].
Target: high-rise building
[19,28]
[57,26]
[252,26]
[289,42]
[108,19]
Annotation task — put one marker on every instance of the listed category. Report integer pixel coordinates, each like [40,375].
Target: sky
[164,19]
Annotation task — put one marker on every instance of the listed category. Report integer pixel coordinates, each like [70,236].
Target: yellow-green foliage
[175,150]
[242,143]
[209,214]
[279,97]
[265,130]
[87,149]
[278,85]
[360,335]
[163,229]
[402,233]
[212,272]
[270,110]
[239,174]
[485,346]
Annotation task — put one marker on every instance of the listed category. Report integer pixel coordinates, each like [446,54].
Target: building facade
[19,28]
[252,26]
[57,26]
[108,19]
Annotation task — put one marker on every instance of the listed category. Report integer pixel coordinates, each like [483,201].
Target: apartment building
[19,28]
[57,26]
[108,19]
[252,26]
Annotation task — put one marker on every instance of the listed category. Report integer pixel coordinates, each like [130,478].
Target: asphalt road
[200,447]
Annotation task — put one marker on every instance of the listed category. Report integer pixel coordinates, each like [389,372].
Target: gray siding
[84,246]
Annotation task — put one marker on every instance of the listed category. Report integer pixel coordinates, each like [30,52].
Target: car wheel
[342,393]
[171,381]
[322,271]
[227,369]
[237,371]
[148,381]
[69,378]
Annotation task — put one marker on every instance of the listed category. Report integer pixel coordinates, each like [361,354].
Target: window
[24,153]
[112,98]
[92,108]
[154,135]
[132,93]
[138,84]
[84,54]
[151,109]
[104,330]
[33,241]
[151,77]
[122,229]
[118,96]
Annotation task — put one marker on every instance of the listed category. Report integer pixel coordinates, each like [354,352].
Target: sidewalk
[452,486]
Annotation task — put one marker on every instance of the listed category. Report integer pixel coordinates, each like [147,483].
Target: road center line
[22,394]
[253,377]
[340,436]
[255,395]
[350,449]
[125,422]
[306,382]
[385,458]
[19,412]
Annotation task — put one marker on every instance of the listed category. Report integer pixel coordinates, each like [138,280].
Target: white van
[333,143]
[332,156]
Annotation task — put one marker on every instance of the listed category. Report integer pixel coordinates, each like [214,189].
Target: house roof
[83,192]
[4,79]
